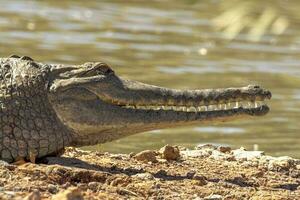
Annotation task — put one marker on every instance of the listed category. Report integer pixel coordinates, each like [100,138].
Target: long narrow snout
[133,94]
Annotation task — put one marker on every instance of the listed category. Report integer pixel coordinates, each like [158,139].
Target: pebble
[118,156]
[281,163]
[71,193]
[218,155]
[119,181]
[169,152]
[198,183]
[250,163]
[93,186]
[10,194]
[3,163]
[201,180]
[7,165]
[242,154]
[190,174]
[144,176]
[213,197]
[224,149]
[131,154]
[205,146]
[195,153]
[52,189]
[81,186]
[35,195]
[146,156]
[66,185]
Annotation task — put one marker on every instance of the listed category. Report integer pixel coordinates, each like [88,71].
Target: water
[187,44]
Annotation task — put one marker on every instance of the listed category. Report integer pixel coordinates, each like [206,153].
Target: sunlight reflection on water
[222,130]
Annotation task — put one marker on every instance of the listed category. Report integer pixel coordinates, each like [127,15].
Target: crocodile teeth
[236,104]
[201,108]
[192,109]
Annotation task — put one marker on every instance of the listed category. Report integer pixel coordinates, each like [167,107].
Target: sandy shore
[207,172]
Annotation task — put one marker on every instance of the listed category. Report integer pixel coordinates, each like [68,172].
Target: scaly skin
[45,108]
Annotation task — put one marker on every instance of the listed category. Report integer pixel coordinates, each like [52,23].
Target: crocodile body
[29,124]
[45,108]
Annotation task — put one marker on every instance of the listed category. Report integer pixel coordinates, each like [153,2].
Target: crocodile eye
[103,68]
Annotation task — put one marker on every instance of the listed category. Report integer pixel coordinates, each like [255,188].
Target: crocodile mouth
[250,100]
[255,108]
[256,105]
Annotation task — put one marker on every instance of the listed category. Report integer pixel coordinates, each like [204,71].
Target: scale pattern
[28,124]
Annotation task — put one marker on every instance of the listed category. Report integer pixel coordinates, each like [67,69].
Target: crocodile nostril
[26,58]
[14,56]
[108,71]
[254,86]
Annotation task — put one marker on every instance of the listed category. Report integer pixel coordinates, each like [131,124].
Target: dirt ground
[207,172]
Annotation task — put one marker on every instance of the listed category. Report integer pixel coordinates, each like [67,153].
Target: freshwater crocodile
[46,107]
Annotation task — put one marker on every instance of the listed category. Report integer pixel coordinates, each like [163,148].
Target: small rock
[181,148]
[205,146]
[241,154]
[35,195]
[190,174]
[258,174]
[117,156]
[144,176]
[201,180]
[66,185]
[52,189]
[146,156]
[7,165]
[160,160]
[169,152]
[123,192]
[17,189]
[3,163]
[131,154]
[93,186]
[69,194]
[213,197]
[281,163]
[81,186]
[122,181]
[224,149]
[10,194]
[162,173]
[249,164]
[217,155]
[196,153]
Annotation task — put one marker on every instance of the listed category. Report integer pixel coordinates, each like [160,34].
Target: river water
[178,44]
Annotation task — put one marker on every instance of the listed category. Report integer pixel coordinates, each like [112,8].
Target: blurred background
[178,44]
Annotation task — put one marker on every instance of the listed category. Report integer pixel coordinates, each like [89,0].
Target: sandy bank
[207,172]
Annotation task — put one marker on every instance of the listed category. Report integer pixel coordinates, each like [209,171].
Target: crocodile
[46,107]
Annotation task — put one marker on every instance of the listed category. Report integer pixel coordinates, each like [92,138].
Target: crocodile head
[100,106]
